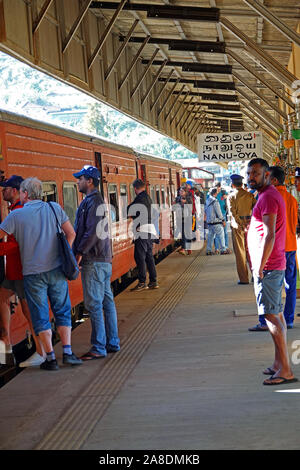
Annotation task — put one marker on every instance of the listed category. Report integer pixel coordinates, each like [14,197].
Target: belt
[245,217]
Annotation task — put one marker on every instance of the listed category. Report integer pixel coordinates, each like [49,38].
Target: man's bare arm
[69,232]
[269,224]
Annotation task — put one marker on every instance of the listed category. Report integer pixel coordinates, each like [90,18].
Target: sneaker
[189,252]
[112,349]
[153,285]
[182,252]
[49,365]
[289,326]
[139,286]
[71,359]
[34,360]
[208,253]
[217,252]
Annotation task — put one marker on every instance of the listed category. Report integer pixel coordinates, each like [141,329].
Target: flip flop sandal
[90,357]
[269,371]
[283,381]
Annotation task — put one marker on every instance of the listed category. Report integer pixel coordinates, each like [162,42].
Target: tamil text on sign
[229,146]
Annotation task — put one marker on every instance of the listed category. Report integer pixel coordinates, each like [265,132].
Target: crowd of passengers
[263,220]
[33,270]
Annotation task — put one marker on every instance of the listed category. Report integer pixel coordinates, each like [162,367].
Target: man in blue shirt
[92,248]
[221,197]
[34,228]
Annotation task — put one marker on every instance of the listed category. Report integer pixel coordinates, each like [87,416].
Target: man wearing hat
[92,248]
[35,230]
[13,282]
[240,204]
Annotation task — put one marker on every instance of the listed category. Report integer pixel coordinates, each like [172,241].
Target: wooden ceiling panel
[95,47]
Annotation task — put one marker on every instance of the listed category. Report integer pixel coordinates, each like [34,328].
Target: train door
[143,173]
[136,169]
[98,164]
[177,180]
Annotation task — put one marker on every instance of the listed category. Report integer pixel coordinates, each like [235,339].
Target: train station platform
[188,376]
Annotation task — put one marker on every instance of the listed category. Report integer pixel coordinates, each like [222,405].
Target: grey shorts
[268,292]
[16,286]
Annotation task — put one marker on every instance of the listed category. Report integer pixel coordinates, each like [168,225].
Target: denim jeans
[225,239]
[38,288]
[99,299]
[218,232]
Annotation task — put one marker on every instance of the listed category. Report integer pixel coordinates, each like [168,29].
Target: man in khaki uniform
[240,204]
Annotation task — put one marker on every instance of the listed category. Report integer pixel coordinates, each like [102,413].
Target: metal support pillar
[121,49]
[196,123]
[161,90]
[144,73]
[189,116]
[269,67]
[260,95]
[253,72]
[41,15]
[134,61]
[258,123]
[106,33]
[184,112]
[260,116]
[81,14]
[168,97]
[274,20]
[282,74]
[154,81]
[193,115]
[273,121]
[174,102]
[179,107]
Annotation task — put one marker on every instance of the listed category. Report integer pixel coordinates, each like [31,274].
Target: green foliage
[21,85]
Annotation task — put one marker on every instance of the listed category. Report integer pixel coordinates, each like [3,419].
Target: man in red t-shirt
[13,282]
[266,243]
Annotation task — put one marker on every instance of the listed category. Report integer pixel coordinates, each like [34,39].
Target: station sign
[230,146]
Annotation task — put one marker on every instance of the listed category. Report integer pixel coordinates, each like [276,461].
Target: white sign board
[229,146]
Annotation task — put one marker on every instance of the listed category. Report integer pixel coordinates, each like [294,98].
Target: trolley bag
[69,264]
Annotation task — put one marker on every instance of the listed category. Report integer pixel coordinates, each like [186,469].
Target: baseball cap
[297,171]
[13,182]
[89,171]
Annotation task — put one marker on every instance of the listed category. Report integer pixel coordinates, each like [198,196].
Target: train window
[132,192]
[157,195]
[152,194]
[113,201]
[124,200]
[163,197]
[70,200]
[49,191]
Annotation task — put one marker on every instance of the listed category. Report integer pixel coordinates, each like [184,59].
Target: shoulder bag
[69,264]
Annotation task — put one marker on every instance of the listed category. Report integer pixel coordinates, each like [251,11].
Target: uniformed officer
[240,204]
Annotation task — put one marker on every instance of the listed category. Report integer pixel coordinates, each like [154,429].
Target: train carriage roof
[19,119]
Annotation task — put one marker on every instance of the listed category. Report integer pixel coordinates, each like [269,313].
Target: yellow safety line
[74,427]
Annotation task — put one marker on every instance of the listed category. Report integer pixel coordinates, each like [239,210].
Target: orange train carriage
[52,154]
